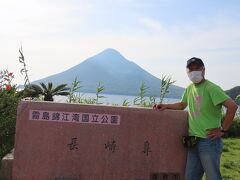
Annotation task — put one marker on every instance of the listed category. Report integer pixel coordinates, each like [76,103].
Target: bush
[234,131]
[8,106]
[9,99]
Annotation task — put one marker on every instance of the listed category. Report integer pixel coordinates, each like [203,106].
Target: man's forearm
[176,106]
[229,118]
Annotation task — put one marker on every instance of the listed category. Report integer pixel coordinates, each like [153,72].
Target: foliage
[73,97]
[152,101]
[100,88]
[233,93]
[36,91]
[24,69]
[88,100]
[230,160]
[47,91]
[9,99]
[76,97]
[234,130]
[125,102]
[140,100]
[238,99]
[6,79]
[166,82]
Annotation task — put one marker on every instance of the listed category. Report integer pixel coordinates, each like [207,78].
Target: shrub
[9,99]
[234,130]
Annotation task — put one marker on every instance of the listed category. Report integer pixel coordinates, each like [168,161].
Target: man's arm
[231,110]
[175,106]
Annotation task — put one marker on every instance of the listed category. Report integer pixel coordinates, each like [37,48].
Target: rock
[6,168]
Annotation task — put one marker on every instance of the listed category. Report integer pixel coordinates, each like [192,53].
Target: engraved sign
[74,117]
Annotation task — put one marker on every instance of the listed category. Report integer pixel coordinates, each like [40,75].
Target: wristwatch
[222,130]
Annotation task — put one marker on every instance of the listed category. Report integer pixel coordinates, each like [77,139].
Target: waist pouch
[189,141]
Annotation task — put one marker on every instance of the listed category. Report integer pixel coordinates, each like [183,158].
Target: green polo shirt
[204,107]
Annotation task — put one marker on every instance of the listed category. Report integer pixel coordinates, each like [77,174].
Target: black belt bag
[189,141]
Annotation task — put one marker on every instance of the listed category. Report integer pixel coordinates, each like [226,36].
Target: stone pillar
[87,142]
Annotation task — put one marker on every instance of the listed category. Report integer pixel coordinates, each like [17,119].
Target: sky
[158,35]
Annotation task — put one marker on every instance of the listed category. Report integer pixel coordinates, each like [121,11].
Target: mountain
[116,73]
[234,92]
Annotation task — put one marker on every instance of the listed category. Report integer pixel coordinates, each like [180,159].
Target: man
[204,100]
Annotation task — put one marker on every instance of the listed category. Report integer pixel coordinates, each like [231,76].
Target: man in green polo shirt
[204,101]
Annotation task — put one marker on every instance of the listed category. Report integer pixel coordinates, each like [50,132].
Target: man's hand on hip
[214,133]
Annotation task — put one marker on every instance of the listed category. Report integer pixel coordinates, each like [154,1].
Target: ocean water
[110,99]
[114,99]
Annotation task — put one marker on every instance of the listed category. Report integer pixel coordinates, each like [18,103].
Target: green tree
[47,91]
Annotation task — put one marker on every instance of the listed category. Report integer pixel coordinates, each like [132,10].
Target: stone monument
[60,141]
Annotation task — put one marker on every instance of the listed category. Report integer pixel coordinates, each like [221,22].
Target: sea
[113,99]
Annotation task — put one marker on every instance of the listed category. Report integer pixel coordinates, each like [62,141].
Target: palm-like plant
[48,91]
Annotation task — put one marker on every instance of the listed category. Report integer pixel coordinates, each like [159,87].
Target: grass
[230,160]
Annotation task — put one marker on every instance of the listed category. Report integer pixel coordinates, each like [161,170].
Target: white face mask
[195,76]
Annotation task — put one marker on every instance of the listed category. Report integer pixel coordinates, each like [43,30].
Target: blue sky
[158,35]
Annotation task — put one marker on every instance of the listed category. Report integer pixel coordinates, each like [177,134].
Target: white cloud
[41,25]
[152,24]
[35,18]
